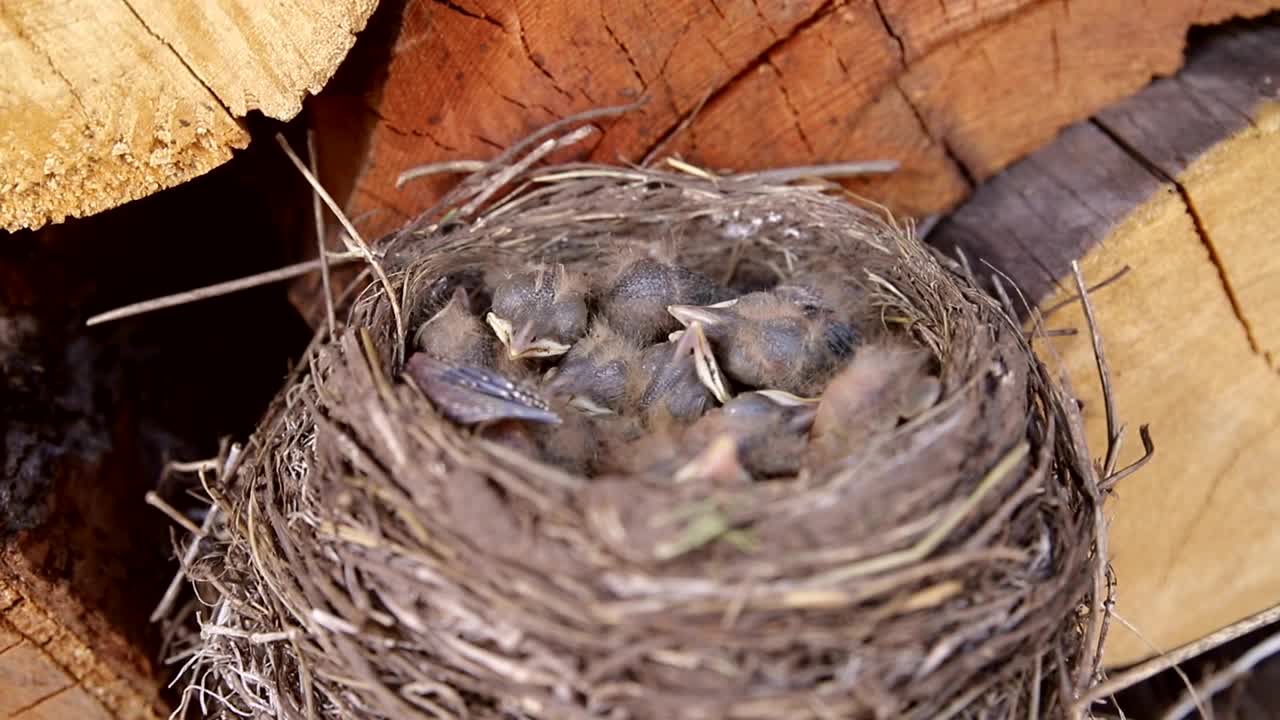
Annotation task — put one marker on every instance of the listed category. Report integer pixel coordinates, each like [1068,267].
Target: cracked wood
[1181,183]
[955,91]
[47,673]
[105,102]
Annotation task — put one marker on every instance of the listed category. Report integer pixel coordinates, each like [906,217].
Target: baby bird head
[772,410]
[595,370]
[455,334]
[636,297]
[773,340]
[539,313]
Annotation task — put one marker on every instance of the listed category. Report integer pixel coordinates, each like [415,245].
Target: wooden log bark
[1181,184]
[105,102]
[954,91]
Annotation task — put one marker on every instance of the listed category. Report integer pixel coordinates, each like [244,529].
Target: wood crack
[941,138]
[471,14]
[518,34]
[716,50]
[626,53]
[755,5]
[395,129]
[74,681]
[39,50]
[1202,232]
[791,107]
[491,143]
[190,70]
[717,91]
[533,57]
[888,28]
[19,712]
[1178,547]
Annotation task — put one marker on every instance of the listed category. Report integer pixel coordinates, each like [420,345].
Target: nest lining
[369,559]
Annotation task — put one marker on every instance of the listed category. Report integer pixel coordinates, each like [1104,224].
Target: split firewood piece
[1181,185]
[105,102]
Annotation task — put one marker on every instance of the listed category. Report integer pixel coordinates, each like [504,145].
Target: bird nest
[366,557]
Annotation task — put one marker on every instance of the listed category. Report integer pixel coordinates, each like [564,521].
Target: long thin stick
[504,176]
[1149,451]
[1093,637]
[356,238]
[153,499]
[678,130]
[1104,373]
[1177,669]
[830,171]
[218,289]
[1075,298]
[317,210]
[439,168]
[188,557]
[1224,678]
[1177,656]
[477,182]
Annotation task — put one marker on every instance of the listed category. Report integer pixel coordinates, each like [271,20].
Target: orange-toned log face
[955,91]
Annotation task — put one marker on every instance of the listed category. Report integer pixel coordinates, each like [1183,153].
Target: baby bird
[473,395]
[773,339]
[606,372]
[539,313]
[575,444]
[718,463]
[597,371]
[636,295]
[769,427]
[884,384]
[455,335]
[767,431]
[679,378]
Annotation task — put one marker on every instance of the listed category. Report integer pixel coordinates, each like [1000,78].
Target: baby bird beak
[524,343]
[718,462]
[694,340]
[501,327]
[803,409]
[708,315]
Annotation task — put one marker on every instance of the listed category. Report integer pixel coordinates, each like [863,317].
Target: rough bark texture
[105,102]
[955,91]
[1181,183]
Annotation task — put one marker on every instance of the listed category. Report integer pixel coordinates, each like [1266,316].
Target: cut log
[1181,184]
[954,91]
[88,416]
[105,102]
[47,672]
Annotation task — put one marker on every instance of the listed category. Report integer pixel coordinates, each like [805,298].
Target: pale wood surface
[1182,184]
[102,102]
